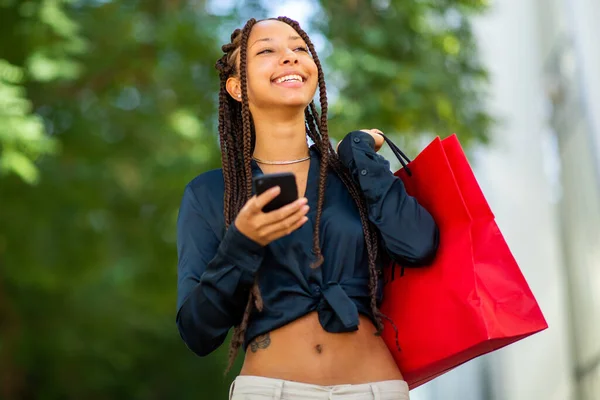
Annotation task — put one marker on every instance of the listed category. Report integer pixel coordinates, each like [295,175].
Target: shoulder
[212,179]
[207,188]
[203,196]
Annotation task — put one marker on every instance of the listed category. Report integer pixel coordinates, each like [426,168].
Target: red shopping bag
[473,299]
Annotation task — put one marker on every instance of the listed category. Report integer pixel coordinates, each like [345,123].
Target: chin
[299,102]
[300,105]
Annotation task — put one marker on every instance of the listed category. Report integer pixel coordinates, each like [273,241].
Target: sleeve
[214,277]
[408,231]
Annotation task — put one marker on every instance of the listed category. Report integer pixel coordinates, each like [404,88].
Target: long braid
[371,238]
[225,126]
[236,160]
[311,129]
[246,118]
[228,120]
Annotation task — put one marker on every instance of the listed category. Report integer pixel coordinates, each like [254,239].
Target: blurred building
[542,178]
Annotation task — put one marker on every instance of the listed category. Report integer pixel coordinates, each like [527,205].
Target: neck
[280,136]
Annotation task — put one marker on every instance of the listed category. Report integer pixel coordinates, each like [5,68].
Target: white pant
[259,388]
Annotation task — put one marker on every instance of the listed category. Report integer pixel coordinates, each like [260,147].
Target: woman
[301,284]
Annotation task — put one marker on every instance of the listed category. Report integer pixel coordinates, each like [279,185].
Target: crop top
[217,266]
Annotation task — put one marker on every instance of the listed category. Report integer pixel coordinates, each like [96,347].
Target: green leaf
[14,161]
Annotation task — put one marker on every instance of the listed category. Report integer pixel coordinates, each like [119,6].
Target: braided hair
[237,138]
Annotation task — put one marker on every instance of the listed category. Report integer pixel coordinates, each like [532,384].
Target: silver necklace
[281,162]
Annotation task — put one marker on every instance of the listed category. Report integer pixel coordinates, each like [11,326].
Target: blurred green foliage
[407,67]
[107,110]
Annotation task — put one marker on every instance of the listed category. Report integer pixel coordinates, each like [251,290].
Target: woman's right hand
[263,228]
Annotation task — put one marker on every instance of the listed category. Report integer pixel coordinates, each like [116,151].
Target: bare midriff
[303,352]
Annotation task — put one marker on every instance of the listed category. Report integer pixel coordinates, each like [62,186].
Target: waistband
[276,388]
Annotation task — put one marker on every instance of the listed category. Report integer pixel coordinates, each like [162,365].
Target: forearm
[213,295]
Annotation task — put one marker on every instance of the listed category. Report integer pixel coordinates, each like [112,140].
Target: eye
[301,48]
[265,51]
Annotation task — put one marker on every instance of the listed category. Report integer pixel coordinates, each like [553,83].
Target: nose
[289,57]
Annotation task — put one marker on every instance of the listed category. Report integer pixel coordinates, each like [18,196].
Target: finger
[284,223]
[376,133]
[249,205]
[284,232]
[264,198]
[378,136]
[282,213]
[286,226]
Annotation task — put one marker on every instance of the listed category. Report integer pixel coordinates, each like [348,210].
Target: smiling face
[280,69]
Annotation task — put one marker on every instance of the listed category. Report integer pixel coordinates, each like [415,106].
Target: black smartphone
[285,180]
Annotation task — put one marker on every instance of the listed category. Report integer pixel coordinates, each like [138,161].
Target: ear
[234,88]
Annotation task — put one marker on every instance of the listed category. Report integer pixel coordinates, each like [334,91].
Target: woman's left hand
[375,133]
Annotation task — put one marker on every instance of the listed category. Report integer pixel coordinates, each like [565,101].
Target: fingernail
[305,208]
[303,200]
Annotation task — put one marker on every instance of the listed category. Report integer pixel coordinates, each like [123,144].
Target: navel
[319,348]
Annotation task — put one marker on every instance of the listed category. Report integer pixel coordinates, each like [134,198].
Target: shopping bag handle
[403,158]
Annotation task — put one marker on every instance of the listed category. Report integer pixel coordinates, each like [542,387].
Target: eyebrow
[291,37]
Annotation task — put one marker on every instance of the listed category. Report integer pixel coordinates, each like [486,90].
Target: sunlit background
[108,108]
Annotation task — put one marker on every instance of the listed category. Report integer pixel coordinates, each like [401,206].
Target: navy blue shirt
[218,266]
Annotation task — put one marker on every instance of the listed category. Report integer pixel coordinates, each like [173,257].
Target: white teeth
[288,78]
